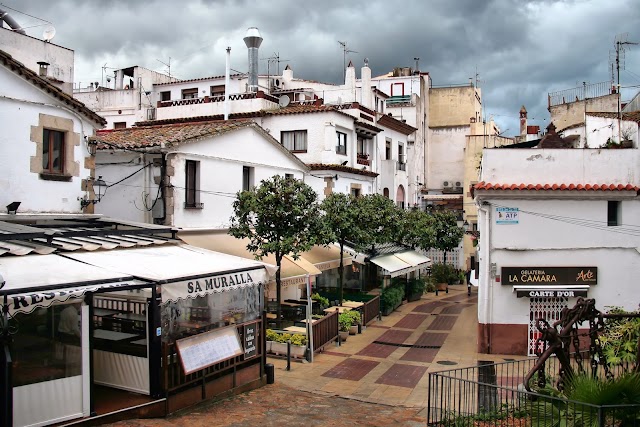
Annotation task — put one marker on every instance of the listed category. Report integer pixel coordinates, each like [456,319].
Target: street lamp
[99,188]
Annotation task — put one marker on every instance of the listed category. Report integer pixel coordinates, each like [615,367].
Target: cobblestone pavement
[278,405]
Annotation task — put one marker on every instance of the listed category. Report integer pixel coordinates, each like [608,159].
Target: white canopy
[401,263]
[40,280]
[187,271]
[414,258]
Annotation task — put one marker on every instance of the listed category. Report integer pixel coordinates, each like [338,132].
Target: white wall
[30,51]
[20,107]
[446,155]
[213,108]
[600,129]
[549,166]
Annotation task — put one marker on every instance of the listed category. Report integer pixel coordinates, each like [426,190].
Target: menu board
[206,349]
[250,337]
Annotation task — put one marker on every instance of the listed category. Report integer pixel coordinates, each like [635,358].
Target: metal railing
[580,93]
[494,394]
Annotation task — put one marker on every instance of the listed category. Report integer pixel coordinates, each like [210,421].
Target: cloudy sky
[520,50]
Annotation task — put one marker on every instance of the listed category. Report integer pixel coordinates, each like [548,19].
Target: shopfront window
[187,317]
[46,344]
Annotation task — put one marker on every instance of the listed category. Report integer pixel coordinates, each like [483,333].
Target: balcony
[214,105]
[363,159]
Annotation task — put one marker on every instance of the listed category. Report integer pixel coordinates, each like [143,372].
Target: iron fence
[493,394]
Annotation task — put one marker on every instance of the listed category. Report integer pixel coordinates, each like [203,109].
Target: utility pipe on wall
[227,79]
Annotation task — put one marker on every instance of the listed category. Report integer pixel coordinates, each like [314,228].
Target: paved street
[379,377]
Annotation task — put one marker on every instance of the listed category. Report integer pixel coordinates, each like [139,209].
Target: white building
[554,224]
[45,161]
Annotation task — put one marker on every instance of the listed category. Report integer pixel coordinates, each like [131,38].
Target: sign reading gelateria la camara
[515,276]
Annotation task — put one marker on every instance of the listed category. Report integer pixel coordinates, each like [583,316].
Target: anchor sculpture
[557,339]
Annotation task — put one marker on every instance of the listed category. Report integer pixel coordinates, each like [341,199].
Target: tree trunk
[341,279]
[278,292]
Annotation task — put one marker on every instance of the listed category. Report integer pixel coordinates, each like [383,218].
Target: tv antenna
[168,65]
[345,50]
[274,59]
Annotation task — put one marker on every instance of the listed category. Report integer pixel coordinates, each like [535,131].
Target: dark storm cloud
[520,50]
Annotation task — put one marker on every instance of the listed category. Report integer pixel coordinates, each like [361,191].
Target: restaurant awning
[414,258]
[326,257]
[185,271]
[392,265]
[41,280]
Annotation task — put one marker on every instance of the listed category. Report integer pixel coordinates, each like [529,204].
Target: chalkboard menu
[206,349]
[250,340]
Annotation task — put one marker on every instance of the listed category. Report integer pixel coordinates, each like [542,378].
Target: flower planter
[269,343]
[414,297]
[353,330]
[297,351]
[344,335]
[442,287]
[279,348]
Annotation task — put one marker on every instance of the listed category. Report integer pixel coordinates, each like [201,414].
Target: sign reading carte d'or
[549,275]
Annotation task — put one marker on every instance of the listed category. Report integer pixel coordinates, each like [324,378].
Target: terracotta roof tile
[19,68]
[155,136]
[633,116]
[555,187]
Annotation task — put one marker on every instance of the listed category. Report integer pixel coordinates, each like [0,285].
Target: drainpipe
[485,207]
[227,80]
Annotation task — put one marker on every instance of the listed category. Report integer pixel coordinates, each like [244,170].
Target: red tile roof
[555,187]
[19,68]
[633,116]
[155,136]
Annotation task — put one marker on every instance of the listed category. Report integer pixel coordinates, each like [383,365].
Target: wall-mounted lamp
[99,188]
[92,147]
[12,208]
[335,177]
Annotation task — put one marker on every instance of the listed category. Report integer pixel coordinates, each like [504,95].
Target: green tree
[279,217]
[417,229]
[447,233]
[342,220]
[380,221]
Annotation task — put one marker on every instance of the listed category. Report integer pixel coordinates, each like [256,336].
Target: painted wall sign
[507,215]
[549,276]
[537,293]
[250,339]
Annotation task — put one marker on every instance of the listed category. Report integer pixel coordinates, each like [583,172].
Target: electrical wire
[130,175]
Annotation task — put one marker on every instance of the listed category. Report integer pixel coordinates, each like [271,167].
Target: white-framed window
[341,146]
[294,140]
[387,149]
[191,93]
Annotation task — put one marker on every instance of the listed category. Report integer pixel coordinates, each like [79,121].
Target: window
[355,192]
[295,141]
[613,213]
[119,125]
[217,90]
[190,93]
[53,151]
[165,96]
[341,147]
[247,178]
[401,158]
[192,185]
[362,146]
[387,149]
[288,176]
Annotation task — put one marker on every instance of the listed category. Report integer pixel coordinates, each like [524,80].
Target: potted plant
[344,323]
[390,298]
[355,321]
[298,345]
[322,302]
[279,345]
[271,337]
[415,288]
[443,275]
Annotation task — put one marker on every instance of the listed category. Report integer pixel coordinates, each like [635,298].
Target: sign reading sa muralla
[549,276]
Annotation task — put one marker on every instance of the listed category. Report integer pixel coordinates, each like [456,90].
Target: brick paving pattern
[377,350]
[455,309]
[393,336]
[443,323]
[431,339]
[351,369]
[429,307]
[402,375]
[423,355]
[411,321]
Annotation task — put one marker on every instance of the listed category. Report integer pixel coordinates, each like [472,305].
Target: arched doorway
[385,192]
[400,196]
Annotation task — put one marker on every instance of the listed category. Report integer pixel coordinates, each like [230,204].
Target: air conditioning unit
[277,83]
[151,113]
[458,184]
[446,184]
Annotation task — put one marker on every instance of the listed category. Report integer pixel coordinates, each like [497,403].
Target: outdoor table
[352,304]
[143,341]
[306,321]
[296,329]
[340,309]
[104,334]
[272,316]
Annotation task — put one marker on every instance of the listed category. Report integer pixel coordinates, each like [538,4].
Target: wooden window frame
[48,136]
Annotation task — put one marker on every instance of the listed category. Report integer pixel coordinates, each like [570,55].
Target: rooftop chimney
[43,68]
[253,40]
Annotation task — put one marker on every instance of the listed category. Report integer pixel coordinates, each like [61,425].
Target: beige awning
[326,257]
[293,272]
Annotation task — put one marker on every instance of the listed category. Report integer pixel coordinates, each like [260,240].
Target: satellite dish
[48,33]
[284,100]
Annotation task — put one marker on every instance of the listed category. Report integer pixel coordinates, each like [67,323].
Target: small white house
[555,225]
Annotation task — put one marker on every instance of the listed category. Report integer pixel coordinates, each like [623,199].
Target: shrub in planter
[344,323]
[390,299]
[443,276]
[415,289]
[298,345]
[322,301]
[279,345]
[430,285]
[271,337]
[355,321]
